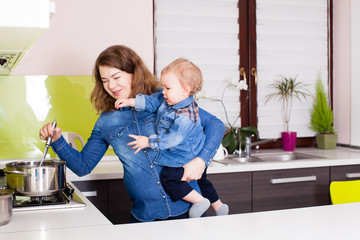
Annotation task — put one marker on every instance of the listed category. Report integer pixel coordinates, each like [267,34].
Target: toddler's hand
[139,143]
[120,103]
[124,102]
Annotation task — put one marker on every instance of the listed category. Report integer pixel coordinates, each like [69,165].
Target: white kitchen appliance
[22,22]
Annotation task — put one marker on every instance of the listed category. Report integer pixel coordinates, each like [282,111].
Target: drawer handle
[90,193]
[352,175]
[293,179]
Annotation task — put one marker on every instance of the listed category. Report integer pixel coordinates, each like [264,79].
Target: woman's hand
[45,132]
[193,170]
[139,143]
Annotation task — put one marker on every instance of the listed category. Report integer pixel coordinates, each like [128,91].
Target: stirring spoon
[48,141]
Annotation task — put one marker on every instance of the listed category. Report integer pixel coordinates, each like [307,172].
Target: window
[205,32]
[265,37]
[291,40]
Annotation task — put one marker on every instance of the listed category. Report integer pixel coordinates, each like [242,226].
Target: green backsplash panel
[28,102]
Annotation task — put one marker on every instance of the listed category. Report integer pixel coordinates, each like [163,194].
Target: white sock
[223,210]
[198,209]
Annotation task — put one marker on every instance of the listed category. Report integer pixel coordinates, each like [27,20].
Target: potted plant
[321,120]
[233,134]
[285,89]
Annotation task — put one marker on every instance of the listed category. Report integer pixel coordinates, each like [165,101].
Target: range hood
[22,22]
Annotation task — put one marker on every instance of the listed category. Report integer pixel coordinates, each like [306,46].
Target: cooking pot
[6,210]
[30,179]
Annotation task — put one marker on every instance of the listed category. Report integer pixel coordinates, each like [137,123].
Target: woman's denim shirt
[179,134]
[141,176]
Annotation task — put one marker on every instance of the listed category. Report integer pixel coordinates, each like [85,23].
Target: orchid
[242,85]
[232,134]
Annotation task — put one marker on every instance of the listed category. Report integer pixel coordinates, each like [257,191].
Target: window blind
[206,33]
[292,40]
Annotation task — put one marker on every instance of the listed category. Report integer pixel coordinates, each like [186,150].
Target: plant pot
[288,141]
[326,140]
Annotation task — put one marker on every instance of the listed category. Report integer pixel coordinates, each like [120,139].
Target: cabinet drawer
[292,188]
[344,173]
[234,189]
[96,192]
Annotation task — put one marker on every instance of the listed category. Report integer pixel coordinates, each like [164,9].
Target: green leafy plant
[285,89]
[232,136]
[321,114]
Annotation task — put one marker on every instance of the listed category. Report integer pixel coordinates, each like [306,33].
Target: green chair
[345,191]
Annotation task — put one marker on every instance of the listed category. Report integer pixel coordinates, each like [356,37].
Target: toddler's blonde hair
[187,73]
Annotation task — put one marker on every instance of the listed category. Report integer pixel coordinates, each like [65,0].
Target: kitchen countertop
[110,167]
[324,222]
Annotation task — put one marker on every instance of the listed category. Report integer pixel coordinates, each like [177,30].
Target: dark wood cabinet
[119,202]
[97,193]
[345,173]
[243,191]
[234,189]
[291,188]
[109,196]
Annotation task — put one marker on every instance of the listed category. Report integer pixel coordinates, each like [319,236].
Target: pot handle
[14,171]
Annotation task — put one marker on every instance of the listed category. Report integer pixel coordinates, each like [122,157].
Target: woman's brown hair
[125,59]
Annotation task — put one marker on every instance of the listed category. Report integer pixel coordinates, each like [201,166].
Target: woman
[120,73]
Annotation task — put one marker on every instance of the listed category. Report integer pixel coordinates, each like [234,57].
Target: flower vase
[288,141]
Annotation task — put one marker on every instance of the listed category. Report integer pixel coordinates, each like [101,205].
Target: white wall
[341,70]
[355,73]
[81,29]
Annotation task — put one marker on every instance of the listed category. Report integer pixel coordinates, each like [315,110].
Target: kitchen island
[320,222]
[48,219]
[325,222]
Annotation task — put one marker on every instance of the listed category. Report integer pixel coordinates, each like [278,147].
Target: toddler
[179,134]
